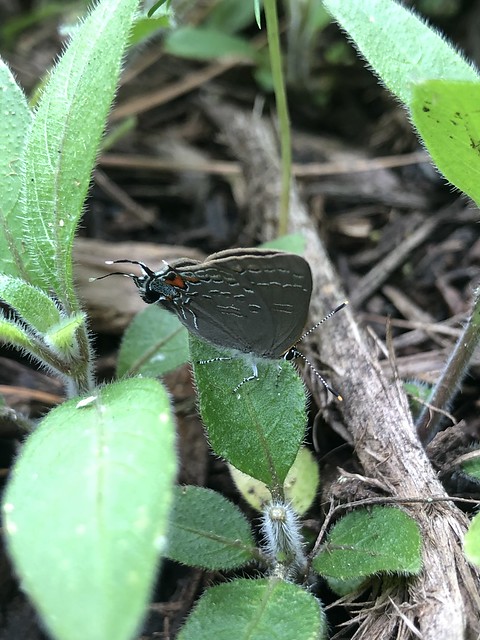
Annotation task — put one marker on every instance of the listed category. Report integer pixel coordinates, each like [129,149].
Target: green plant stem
[83,380]
[428,425]
[271,17]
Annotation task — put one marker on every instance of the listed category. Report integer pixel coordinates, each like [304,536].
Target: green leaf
[32,304]
[205,44]
[162,5]
[12,333]
[207,530]
[95,486]
[300,486]
[367,542]
[293,243]
[257,8]
[344,587]
[145,28]
[154,343]
[62,338]
[230,16]
[446,116]
[472,541]
[472,467]
[260,427]
[418,392]
[400,47]
[65,137]
[259,609]
[14,126]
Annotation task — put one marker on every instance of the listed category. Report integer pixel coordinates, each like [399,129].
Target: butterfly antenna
[319,376]
[147,271]
[329,315]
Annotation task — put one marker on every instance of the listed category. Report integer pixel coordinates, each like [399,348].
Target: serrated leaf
[32,304]
[154,343]
[472,541]
[259,609]
[300,486]
[61,150]
[400,47]
[95,485]
[15,123]
[367,542]
[260,427]
[208,531]
[199,43]
[446,116]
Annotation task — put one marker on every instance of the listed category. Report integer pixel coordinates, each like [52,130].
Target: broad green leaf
[32,304]
[256,609]
[15,122]
[447,117]
[206,44]
[399,46]
[65,137]
[94,484]
[258,428]
[207,530]
[300,486]
[472,541]
[154,343]
[372,541]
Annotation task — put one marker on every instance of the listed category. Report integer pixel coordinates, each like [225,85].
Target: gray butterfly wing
[251,300]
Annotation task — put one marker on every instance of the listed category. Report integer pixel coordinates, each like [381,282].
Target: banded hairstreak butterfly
[252,301]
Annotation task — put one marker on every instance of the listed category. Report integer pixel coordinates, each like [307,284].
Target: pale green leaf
[32,304]
[447,117]
[86,509]
[399,46]
[64,141]
[15,122]
[472,541]
[300,486]
[11,333]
